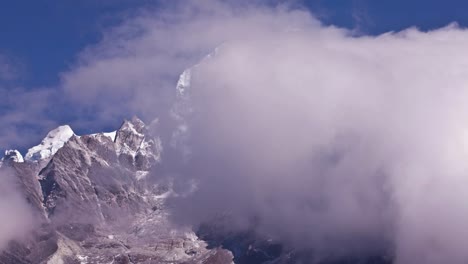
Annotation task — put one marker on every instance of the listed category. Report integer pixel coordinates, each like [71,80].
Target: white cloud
[322,136]
[16,218]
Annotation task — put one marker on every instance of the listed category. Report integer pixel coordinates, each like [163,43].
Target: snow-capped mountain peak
[54,140]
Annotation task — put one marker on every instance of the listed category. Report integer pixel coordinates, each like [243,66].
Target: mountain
[104,198]
[94,202]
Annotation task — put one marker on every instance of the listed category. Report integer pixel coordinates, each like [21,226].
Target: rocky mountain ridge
[95,202]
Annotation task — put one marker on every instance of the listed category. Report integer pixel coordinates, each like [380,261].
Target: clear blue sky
[42,38]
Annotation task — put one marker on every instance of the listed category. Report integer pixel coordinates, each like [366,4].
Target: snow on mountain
[184,82]
[135,146]
[12,155]
[110,135]
[107,135]
[185,79]
[54,140]
[130,136]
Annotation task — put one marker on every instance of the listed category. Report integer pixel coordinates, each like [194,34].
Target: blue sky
[40,40]
[44,36]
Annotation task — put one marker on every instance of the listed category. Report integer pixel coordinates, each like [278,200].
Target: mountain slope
[94,202]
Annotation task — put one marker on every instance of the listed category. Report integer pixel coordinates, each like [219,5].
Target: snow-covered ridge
[129,139]
[54,140]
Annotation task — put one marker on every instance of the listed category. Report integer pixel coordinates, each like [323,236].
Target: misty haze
[247,132]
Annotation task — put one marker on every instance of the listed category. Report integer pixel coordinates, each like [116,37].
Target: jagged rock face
[135,148]
[98,202]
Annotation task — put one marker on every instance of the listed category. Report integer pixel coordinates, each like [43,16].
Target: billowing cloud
[338,143]
[327,140]
[135,67]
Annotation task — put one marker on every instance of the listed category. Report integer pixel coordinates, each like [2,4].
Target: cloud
[343,144]
[135,66]
[26,115]
[338,143]
[15,215]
